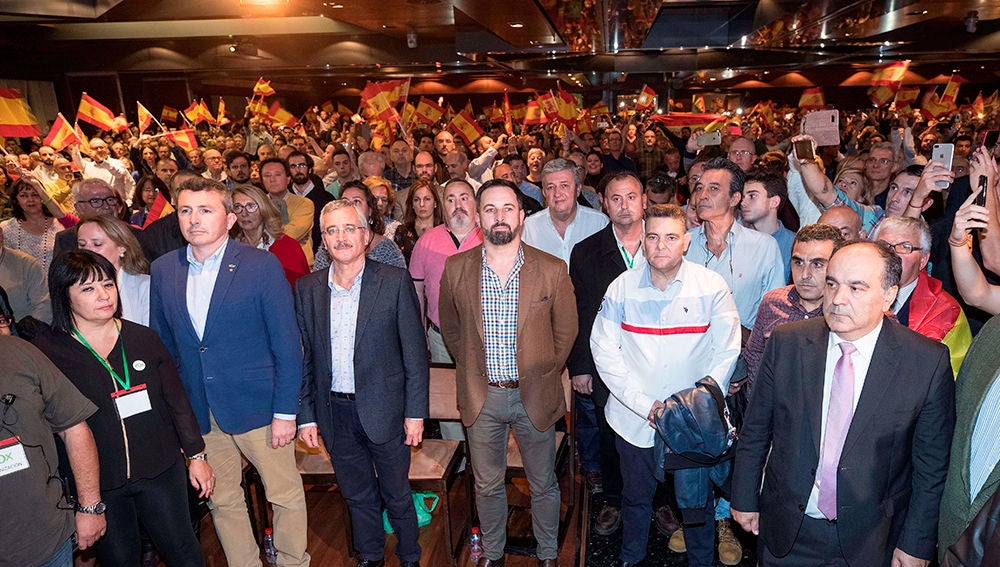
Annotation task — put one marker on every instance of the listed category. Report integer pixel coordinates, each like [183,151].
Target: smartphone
[804,149]
[943,153]
[823,126]
[981,197]
[710,139]
[989,141]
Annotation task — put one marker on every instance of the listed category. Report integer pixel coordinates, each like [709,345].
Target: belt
[505,384]
[342,395]
[433,327]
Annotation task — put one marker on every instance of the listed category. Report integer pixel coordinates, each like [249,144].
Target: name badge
[133,401]
[12,457]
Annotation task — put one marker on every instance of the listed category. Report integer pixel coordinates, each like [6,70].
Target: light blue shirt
[540,231]
[750,266]
[785,239]
[200,285]
[985,449]
[343,327]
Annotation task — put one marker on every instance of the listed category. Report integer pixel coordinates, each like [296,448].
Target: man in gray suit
[365,381]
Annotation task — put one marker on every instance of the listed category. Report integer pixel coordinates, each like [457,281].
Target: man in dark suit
[365,381]
[225,313]
[850,428]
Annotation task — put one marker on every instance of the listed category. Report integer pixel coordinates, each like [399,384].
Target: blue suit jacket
[248,365]
[391,373]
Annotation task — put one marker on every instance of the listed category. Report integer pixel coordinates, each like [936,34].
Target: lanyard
[629,260]
[127,383]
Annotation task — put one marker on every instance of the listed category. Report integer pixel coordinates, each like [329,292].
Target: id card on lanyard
[12,457]
[132,401]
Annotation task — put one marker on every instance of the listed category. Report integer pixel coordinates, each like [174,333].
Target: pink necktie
[838,421]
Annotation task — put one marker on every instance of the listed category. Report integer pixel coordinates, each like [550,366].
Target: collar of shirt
[734,232]
[335,288]
[646,279]
[903,294]
[212,262]
[513,271]
[865,344]
[796,300]
[639,258]
[304,190]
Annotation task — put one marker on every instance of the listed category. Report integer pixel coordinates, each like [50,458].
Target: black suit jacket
[594,263]
[895,457]
[163,236]
[391,372]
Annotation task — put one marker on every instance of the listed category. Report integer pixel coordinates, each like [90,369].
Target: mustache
[343,246]
[499,225]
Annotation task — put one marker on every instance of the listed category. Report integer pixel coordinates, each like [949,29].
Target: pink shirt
[428,258]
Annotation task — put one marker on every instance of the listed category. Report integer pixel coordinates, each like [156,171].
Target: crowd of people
[762,335]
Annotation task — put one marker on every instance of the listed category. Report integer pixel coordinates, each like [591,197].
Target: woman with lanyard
[144,420]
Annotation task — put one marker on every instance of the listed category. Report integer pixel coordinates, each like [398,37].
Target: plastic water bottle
[269,550]
[475,545]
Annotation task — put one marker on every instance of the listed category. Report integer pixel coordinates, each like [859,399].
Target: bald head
[845,219]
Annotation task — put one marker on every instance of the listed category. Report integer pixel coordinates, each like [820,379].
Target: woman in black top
[144,420]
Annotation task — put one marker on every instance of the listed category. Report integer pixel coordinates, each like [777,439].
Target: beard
[501,237]
[300,178]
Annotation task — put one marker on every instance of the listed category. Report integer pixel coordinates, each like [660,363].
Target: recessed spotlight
[515,24]
[333,4]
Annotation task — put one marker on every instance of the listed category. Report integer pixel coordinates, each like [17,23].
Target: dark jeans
[587,433]
[161,504]
[816,545]
[611,471]
[637,468]
[355,460]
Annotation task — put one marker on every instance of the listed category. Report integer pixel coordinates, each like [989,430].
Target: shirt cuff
[285,416]
[310,424]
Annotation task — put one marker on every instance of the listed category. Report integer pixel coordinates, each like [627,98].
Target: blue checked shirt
[500,320]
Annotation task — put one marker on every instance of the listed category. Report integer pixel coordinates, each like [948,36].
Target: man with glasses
[92,197]
[103,166]
[307,185]
[879,165]
[615,159]
[368,403]
[215,167]
[743,153]
[922,304]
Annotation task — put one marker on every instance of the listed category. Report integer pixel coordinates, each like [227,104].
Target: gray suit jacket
[390,352]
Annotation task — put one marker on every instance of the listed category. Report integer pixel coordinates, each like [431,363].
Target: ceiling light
[515,24]
[333,4]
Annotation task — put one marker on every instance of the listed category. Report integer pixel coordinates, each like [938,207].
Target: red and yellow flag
[263,88]
[935,107]
[16,118]
[222,120]
[518,112]
[646,100]
[93,112]
[465,126]
[376,103]
[905,97]
[84,142]
[409,114]
[881,95]
[343,110]
[468,108]
[281,117]
[534,114]
[169,114]
[160,208]
[698,103]
[991,103]
[951,89]
[257,107]
[428,111]
[61,134]
[508,122]
[567,110]
[978,106]
[145,118]
[890,74]
[184,139]
[812,99]
[599,109]
[120,123]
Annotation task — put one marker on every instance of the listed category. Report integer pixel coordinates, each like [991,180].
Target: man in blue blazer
[365,381]
[225,312]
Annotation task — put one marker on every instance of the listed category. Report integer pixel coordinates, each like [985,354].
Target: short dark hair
[233,155]
[666,211]
[199,183]
[818,232]
[158,184]
[620,176]
[68,269]
[963,138]
[737,177]
[375,221]
[774,185]
[916,170]
[509,159]
[500,183]
[309,160]
[892,271]
[269,161]
[15,207]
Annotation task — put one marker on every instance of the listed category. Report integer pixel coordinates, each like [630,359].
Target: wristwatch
[96,509]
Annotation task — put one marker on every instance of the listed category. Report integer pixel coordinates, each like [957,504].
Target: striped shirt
[985,447]
[499,301]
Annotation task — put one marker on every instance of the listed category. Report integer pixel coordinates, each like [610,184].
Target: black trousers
[161,504]
[611,472]
[355,460]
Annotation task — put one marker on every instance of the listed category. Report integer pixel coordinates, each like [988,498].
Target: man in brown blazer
[508,317]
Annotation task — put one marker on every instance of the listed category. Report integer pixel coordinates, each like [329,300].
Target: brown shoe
[594,481]
[484,562]
[609,519]
[665,521]
[730,550]
[548,563]
[676,543]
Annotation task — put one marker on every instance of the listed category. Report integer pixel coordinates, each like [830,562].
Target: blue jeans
[587,440]
[63,557]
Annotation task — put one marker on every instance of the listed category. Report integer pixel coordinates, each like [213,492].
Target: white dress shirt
[114,173]
[861,358]
[200,285]
[133,289]
[541,233]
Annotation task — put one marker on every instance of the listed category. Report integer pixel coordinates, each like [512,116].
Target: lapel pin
[139,365]
[232,267]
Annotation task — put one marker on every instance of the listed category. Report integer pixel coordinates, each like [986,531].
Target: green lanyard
[127,383]
[629,261]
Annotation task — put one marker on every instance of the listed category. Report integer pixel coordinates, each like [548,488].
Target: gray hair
[79,185]
[367,157]
[338,204]
[562,164]
[907,224]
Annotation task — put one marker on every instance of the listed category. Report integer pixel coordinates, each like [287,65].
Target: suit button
[812,472]
[802,508]
[202,349]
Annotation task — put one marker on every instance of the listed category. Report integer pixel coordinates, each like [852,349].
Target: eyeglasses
[98,202]
[741,153]
[903,247]
[298,166]
[347,230]
[214,158]
[880,161]
[238,208]
[6,320]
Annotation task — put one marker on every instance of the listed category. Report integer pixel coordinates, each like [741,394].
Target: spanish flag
[161,208]
[951,89]
[568,110]
[992,102]
[698,103]
[377,103]
[84,142]
[120,124]
[934,107]
[881,95]
[61,134]
[518,112]
[258,107]
[905,97]
[408,114]
[890,74]
[145,118]
[16,118]
[533,114]
[508,122]
[812,99]
[465,126]
[184,139]
[547,102]
[169,114]
[93,112]
[978,106]
[599,109]
[646,100]
[263,88]
[428,111]
[222,120]
[281,117]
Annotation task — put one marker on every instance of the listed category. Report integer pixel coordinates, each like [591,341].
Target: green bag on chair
[420,504]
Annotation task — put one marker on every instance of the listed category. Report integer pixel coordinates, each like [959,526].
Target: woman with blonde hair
[258,223]
[851,179]
[112,239]
[385,197]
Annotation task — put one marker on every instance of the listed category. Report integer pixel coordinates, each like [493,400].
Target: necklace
[37,245]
